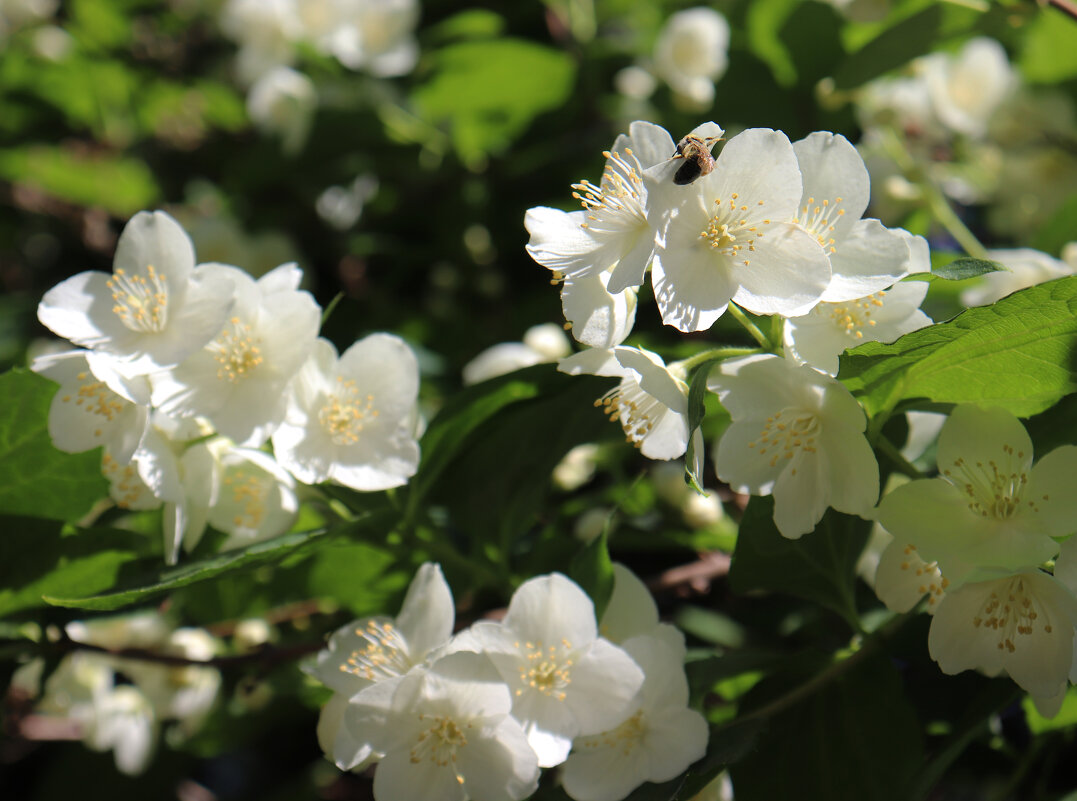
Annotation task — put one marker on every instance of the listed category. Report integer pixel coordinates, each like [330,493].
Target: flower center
[729,231]
[616,205]
[94,397]
[818,218]
[236,351]
[248,495]
[929,578]
[993,489]
[384,654]
[786,433]
[126,484]
[637,411]
[853,316]
[343,414]
[439,743]
[548,670]
[141,300]
[625,737]
[1012,611]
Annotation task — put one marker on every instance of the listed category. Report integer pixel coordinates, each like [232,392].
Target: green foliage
[592,569]
[35,478]
[820,566]
[487,92]
[1049,48]
[893,47]
[1018,354]
[961,270]
[697,397]
[856,739]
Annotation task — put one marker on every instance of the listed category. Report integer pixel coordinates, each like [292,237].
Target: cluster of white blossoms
[974,541]
[184,373]
[120,704]
[477,714]
[967,122]
[775,228]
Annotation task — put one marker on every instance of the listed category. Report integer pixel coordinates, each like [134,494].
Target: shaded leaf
[892,48]
[592,569]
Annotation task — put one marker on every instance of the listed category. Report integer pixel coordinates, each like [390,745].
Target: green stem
[869,646]
[332,306]
[713,353]
[751,328]
[894,455]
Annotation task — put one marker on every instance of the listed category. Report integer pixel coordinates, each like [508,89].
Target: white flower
[238,380]
[372,35]
[183,474]
[968,88]
[903,578]
[690,54]
[256,499]
[351,420]
[1024,268]
[659,739]
[282,102]
[576,468]
[124,723]
[1021,624]
[565,680]
[542,343]
[651,402]
[86,411]
[601,253]
[729,237]
[865,256]
[378,650]
[447,735]
[153,311]
[126,486]
[990,509]
[266,30]
[632,613]
[797,435]
[824,333]
[185,693]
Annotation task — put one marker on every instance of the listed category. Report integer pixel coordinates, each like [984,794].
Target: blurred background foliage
[407,197]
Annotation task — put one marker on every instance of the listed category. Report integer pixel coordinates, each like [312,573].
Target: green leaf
[697,409]
[592,569]
[854,739]
[1057,232]
[1018,354]
[1049,48]
[298,544]
[820,566]
[765,20]
[488,92]
[474,23]
[960,270]
[121,186]
[892,48]
[35,478]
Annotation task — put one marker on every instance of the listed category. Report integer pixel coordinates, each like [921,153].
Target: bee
[698,160]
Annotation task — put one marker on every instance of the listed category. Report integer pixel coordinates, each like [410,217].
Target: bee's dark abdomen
[686,173]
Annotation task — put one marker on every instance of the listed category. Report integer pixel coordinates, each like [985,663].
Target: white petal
[833,171]
[631,609]
[426,617]
[802,494]
[871,257]
[787,274]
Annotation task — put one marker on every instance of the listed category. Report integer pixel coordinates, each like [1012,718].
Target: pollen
[1013,611]
[141,299]
[381,654]
[248,495]
[615,205]
[237,351]
[547,669]
[818,218]
[345,412]
[637,412]
[730,232]
[853,317]
[787,433]
[438,742]
[993,489]
[94,398]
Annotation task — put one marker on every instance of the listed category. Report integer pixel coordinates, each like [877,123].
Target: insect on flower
[698,160]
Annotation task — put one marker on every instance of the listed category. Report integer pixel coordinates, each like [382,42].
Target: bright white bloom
[659,739]
[542,343]
[651,402]
[1024,268]
[256,499]
[86,411]
[351,420]
[824,333]
[565,680]
[266,31]
[371,35]
[153,311]
[797,435]
[632,613]
[1020,624]
[126,486]
[576,468]
[691,53]
[238,380]
[966,89]
[282,102]
[183,475]
[865,256]
[379,650]
[903,578]
[990,510]
[447,735]
[729,237]
[185,693]
[124,723]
